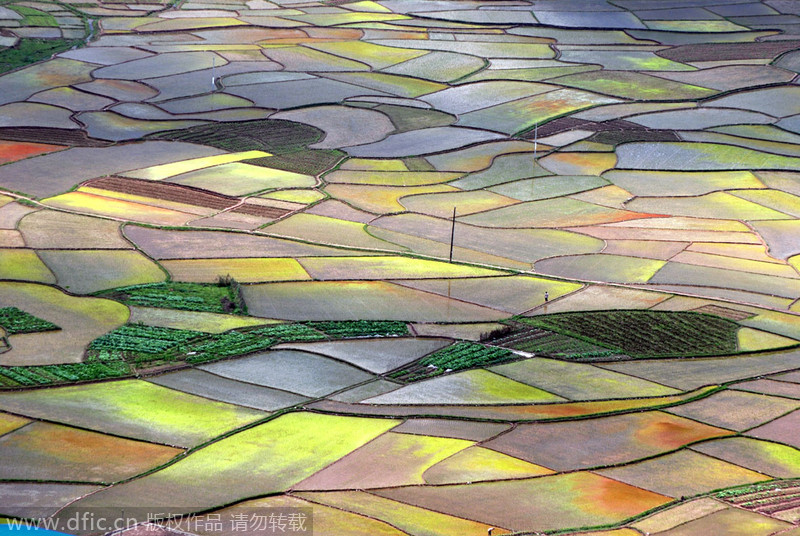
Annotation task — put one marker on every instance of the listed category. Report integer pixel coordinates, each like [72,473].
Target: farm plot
[647,333]
[88,271]
[780,430]
[285,140]
[733,521]
[773,387]
[11,151]
[467,387]
[677,514]
[193,320]
[375,355]
[134,409]
[388,461]
[461,355]
[364,391]
[81,320]
[88,203]
[514,294]
[24,265]
[765,457]
[34,499]
[456,429]
[180,167]
[213,387]
[14,321]
[736,410]
[440,204]
[53,173]
[262,460]
[182,296]
[411,519]
[476,464]
[52,452]
[387,267]
[160,194]
[299,372]
[326,520]
[555,213]
[691,374]
[683,474]
[774,499]
[151,347]
[601,297]
[351,300]
[164,244]
[328,231]
[382,199]
[47,229]
[605,268]
[9,423]
[524,245]
[544,503]
[241,179]
[251,270]
[578,381]
[514,412]
[571,445]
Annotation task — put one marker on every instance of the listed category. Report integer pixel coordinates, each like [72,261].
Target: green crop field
[219,298]
[646,333]
[16,321]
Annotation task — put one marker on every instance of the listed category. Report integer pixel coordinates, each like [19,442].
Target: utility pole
[452,234]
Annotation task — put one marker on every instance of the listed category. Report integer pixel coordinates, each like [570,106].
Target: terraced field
[401,267]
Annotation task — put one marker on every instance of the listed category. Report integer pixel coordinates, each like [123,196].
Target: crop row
[459,356]
[361,328]
[69,372]
[113,354]
[15,321]
[559,345]
[646,333]
[224,297]
[757,490]
[240,342]
[464,354]
[143,339]
[142,343]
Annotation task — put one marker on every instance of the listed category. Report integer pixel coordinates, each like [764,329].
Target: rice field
[415,267]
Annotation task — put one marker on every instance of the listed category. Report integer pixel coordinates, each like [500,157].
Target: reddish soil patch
[11,151]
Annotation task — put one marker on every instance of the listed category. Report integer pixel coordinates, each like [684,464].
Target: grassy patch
[34,17]
[461,355]
[223,297]
[29,50]
[646,333]
[15,321]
